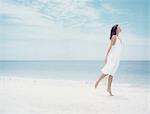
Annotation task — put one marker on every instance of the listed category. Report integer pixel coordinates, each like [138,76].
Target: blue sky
[71,29]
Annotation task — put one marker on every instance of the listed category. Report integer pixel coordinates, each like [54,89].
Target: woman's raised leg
[100,78]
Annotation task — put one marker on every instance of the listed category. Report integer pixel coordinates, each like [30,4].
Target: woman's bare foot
[96,84]
[109,91]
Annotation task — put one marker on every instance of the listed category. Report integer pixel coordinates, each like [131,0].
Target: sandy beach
[45,96]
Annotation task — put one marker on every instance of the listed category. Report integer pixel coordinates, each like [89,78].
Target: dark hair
[113,30]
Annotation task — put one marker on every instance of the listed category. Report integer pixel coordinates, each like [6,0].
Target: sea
[133,73]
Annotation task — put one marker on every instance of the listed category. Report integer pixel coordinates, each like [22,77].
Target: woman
[112,58]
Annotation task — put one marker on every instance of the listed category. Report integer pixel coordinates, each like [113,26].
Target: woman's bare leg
[100,78]
[110,78]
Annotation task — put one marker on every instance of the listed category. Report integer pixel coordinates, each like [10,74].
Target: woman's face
[118,29]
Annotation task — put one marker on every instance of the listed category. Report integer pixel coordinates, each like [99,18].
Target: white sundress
[113,59]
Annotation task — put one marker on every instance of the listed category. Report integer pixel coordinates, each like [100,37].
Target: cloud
[23,15]
[62,29]
[76,14]
[110,9]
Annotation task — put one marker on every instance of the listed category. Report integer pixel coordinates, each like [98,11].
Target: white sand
[41,96]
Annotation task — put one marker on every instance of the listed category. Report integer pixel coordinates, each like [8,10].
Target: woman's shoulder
[114,37]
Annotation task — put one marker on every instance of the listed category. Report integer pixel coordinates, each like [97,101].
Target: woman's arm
[113,41]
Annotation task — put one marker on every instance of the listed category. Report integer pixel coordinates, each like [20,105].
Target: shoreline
[92,81]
